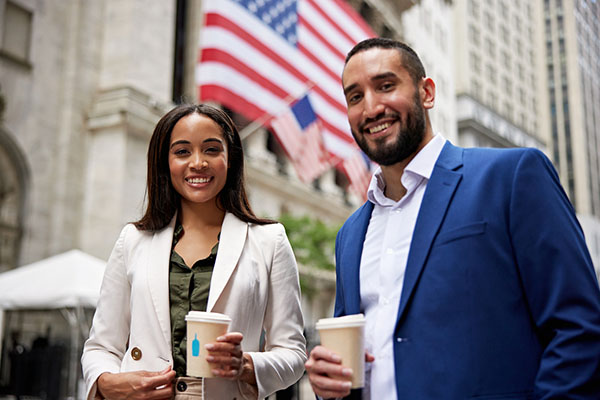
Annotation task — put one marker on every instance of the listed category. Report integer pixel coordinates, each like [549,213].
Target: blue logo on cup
[195,346]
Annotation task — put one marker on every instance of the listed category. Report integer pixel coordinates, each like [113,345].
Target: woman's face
[197,159]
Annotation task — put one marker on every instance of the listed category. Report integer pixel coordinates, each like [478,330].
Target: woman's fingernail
[221,338]
[209,346]
[347,372]
[336,358]
[347,385]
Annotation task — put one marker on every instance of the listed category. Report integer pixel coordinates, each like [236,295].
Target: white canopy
[69,279]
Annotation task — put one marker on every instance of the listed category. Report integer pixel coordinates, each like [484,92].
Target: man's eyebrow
[384,75]
[349,88]
[378,77]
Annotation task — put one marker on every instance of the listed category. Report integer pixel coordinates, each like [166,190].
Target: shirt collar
[421,165]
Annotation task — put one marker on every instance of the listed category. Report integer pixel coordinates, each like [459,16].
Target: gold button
[136,353]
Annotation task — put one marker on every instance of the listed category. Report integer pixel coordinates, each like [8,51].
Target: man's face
[385,110]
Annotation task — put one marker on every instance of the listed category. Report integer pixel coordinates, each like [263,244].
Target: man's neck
[392,174]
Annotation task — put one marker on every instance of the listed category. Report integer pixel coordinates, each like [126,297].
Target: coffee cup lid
[203,316]
[347,321]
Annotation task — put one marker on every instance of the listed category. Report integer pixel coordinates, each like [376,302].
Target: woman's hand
[228,359]
[137,385]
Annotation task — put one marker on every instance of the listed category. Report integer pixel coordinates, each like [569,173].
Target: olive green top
[188,290]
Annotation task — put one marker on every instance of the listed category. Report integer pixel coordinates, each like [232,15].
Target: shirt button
[401,340]
[181,386]
[136,354]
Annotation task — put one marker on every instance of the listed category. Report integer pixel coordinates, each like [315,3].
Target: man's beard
[410,136]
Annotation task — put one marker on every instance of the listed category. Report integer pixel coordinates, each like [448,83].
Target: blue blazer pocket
[525,395]
[475,228]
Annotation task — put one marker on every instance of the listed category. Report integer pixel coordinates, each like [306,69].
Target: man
[469,264]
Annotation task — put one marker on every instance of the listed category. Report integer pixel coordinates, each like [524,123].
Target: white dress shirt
[383,262]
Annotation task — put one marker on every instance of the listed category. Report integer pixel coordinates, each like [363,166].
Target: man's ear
[427,89]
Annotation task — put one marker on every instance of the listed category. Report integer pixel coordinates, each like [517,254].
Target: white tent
[69,281]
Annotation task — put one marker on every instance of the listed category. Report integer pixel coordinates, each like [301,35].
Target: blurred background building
[82,84]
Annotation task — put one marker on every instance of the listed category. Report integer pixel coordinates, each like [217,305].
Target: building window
[11,203]
[491,72]
[491,47]
[474,34]
[16,33]
[474,8]
[506,82]
[475,62]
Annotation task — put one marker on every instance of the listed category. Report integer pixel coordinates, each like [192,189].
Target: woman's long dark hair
[163,200]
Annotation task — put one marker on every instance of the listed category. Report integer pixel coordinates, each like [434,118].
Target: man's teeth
[379,128]
[198,180]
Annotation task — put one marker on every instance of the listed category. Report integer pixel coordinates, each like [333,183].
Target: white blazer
[254,281]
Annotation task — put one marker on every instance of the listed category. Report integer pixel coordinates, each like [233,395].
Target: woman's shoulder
[271,230]
[131,235]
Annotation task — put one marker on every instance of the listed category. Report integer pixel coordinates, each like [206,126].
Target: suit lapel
[438,195]
[158,276]
[350,264]
[231,243]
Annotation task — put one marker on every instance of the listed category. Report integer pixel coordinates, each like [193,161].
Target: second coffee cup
[345,337]
[203,328]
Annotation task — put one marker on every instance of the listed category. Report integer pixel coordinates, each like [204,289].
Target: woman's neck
[200,215]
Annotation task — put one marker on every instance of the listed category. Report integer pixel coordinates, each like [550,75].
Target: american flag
[299,132]
[358,168]
[257,54]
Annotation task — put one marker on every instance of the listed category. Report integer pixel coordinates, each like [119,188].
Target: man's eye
[386,86]
[354,98]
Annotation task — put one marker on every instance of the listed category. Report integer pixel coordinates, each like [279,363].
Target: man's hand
[327,376]
[137,385]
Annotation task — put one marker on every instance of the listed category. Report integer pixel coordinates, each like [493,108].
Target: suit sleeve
[105,348]
[282,362]
[558,280]
[339,308]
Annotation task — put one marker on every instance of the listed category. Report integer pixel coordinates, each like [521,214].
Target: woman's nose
[199,162]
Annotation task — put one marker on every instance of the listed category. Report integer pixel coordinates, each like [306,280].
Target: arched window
[13,177]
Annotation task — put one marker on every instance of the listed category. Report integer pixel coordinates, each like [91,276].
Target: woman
[198,247]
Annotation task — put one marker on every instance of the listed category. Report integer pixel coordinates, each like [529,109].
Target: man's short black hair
[410,59]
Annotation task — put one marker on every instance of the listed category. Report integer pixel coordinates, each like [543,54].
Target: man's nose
[372,105]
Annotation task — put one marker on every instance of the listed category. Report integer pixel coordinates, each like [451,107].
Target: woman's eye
[213,150]
[180,152]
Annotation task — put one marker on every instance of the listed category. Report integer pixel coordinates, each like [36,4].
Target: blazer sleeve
[106,346]
[282,362]
[558,280]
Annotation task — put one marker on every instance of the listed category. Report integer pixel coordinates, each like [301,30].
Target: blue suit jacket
[500,299]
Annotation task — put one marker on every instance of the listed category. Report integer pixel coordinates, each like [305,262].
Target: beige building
[572,64]
[496,71]
[527,75]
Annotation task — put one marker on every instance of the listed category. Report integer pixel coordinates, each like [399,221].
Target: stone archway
[14,176]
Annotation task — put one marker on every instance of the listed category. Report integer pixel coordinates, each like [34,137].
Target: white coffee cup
[345,336]
[203,328]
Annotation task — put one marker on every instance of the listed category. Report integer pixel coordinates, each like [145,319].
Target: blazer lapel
[350,265]
[158,276]
[231,243]
[438,195]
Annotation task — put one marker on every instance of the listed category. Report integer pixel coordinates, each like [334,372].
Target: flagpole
[266,117]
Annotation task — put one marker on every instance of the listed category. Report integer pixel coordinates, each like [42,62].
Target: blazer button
[181,386]
[136,354]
